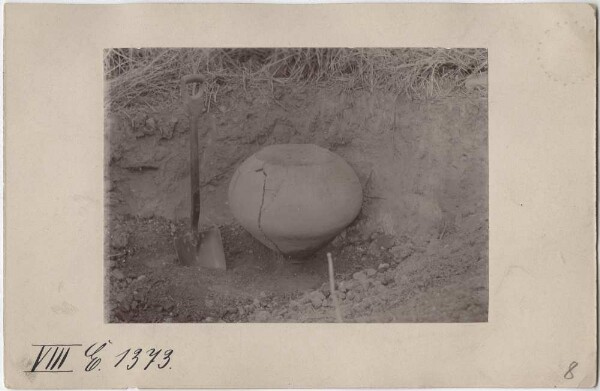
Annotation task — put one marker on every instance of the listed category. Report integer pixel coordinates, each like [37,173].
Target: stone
[385,241]
[386,280]
[384,266]
[351,284]
[316,299]
[167,129]
[371,272]
[343,287]
[402,252]
[294,198]
[374,249]
[150,125]
[119,240]
[359,276]
[120,297]
[116,273]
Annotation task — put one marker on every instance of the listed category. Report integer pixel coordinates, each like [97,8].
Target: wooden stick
[338,313]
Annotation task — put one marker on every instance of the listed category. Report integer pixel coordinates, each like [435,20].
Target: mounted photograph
[294,185]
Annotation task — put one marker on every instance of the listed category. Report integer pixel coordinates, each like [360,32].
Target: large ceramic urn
[294,198]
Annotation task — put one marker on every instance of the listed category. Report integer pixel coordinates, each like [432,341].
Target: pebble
[325,289]
[374,248]
[316,299]
[116,273]
[402,252]
[151,124]
[120,296]
[141,278]
[366,236]
[384,266]
[134,305]
[359,276]
[256,302]
[208,319]
[371,272]
[385,241]
[119,241]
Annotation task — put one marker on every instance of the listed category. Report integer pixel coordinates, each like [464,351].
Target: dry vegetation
[154,73]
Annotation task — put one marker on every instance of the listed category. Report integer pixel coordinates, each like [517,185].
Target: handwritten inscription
[51,358]
[569,374]
[67,358]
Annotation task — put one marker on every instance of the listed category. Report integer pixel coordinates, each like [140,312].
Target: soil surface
[418,251]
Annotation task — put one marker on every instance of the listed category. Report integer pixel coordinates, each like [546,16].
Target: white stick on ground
[338,313]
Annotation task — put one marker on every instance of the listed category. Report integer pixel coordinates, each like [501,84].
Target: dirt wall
[423,165]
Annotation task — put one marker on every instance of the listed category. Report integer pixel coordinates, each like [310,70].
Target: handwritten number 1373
[152,353]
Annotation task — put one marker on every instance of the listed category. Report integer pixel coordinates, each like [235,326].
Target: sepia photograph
[338,183]
[296,185]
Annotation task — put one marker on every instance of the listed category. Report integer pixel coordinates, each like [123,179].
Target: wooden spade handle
[194,106]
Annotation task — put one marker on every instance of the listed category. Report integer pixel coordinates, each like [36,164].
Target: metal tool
[201,248]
